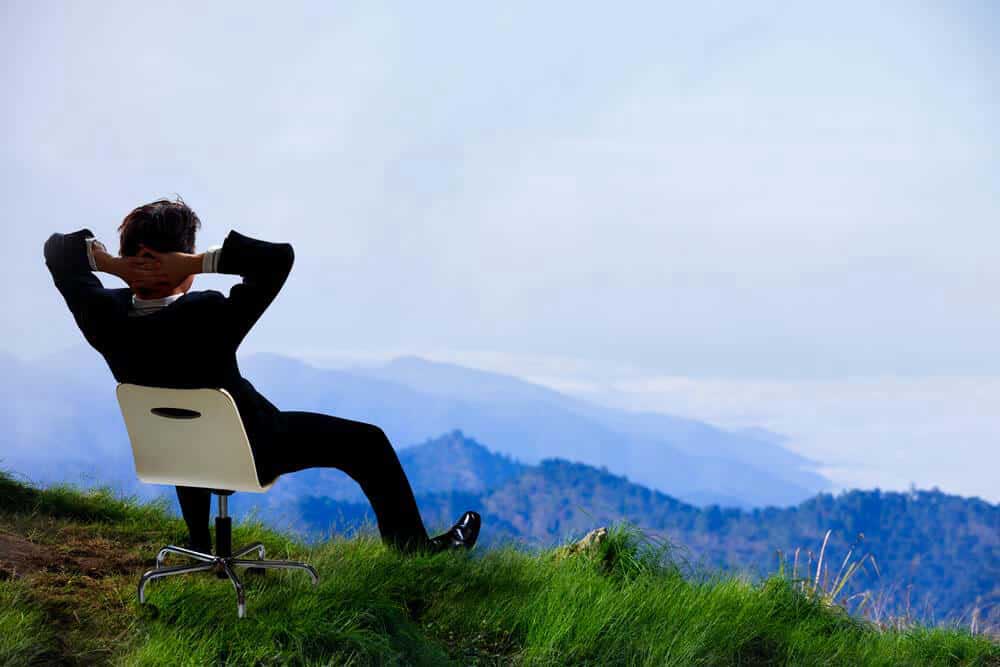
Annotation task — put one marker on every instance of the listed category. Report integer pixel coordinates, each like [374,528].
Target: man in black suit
[157,332]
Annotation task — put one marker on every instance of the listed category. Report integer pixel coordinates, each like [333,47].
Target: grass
[25,637]
[622,603]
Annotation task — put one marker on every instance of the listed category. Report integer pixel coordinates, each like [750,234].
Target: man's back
[190,342]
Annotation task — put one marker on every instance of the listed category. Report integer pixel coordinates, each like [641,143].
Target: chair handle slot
[176,413]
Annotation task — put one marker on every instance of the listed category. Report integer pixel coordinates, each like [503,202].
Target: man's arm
[72,260]
[264,267]
[68,259]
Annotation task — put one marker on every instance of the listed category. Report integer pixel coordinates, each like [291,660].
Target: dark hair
[163,225]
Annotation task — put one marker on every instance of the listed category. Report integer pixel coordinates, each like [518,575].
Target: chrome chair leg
[161,572]
[279,565]
[259,546]
[182,551]
[241,601]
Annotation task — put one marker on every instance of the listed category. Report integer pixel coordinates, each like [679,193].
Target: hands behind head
[152,270]
[143,274]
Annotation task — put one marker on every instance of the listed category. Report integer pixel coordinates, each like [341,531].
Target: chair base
[224,565]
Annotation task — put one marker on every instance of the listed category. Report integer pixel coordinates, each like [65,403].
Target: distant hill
[64,424]
[447,464]
[454,463]
[685,457]
[942,551]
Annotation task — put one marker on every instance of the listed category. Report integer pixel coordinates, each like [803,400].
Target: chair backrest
[188,437]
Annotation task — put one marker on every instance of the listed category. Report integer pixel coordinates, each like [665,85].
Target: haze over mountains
[65,422]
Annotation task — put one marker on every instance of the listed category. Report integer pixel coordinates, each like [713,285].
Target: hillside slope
[70,560]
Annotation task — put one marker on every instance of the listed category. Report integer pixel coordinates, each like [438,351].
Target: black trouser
[314,440]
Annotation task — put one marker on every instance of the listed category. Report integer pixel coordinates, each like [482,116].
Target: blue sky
[605,198]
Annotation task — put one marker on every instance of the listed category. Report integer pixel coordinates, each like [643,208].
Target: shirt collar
[144,306]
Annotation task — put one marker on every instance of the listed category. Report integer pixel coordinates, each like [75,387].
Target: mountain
[451,463]
[940,552]
[696,438]
[454,463]
[413,399]
[64,424]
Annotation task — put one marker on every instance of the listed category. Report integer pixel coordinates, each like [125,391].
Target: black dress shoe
[462,535]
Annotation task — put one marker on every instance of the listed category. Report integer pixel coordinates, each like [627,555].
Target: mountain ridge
[66,424]
[690,459]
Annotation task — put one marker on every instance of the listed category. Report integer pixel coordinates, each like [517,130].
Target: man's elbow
[287,256]
[52,250]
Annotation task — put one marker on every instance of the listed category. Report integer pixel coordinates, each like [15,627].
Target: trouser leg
[314,440]
[196,506]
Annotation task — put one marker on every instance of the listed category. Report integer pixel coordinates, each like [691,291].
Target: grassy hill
[69,562]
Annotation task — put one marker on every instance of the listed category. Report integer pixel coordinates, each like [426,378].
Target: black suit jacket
[189,343]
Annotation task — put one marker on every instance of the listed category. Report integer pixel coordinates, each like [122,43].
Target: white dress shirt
[209,264]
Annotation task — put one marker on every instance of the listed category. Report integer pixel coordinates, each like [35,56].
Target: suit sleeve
[264,267]
[67,258]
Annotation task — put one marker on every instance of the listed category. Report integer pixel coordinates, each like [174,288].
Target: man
[158,332]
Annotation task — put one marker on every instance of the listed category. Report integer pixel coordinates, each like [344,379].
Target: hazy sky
[727,192]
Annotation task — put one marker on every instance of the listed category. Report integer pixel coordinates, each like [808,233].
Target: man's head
[164,226]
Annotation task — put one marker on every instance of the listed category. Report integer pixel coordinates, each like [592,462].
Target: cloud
[764,191]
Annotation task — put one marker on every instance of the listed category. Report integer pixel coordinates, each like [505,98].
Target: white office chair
[195,437]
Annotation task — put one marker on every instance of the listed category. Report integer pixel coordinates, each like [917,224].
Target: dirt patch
[72,576]
[18,556]
[94,558]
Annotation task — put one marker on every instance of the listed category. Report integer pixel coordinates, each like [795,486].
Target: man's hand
[137,272]
[175,267]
